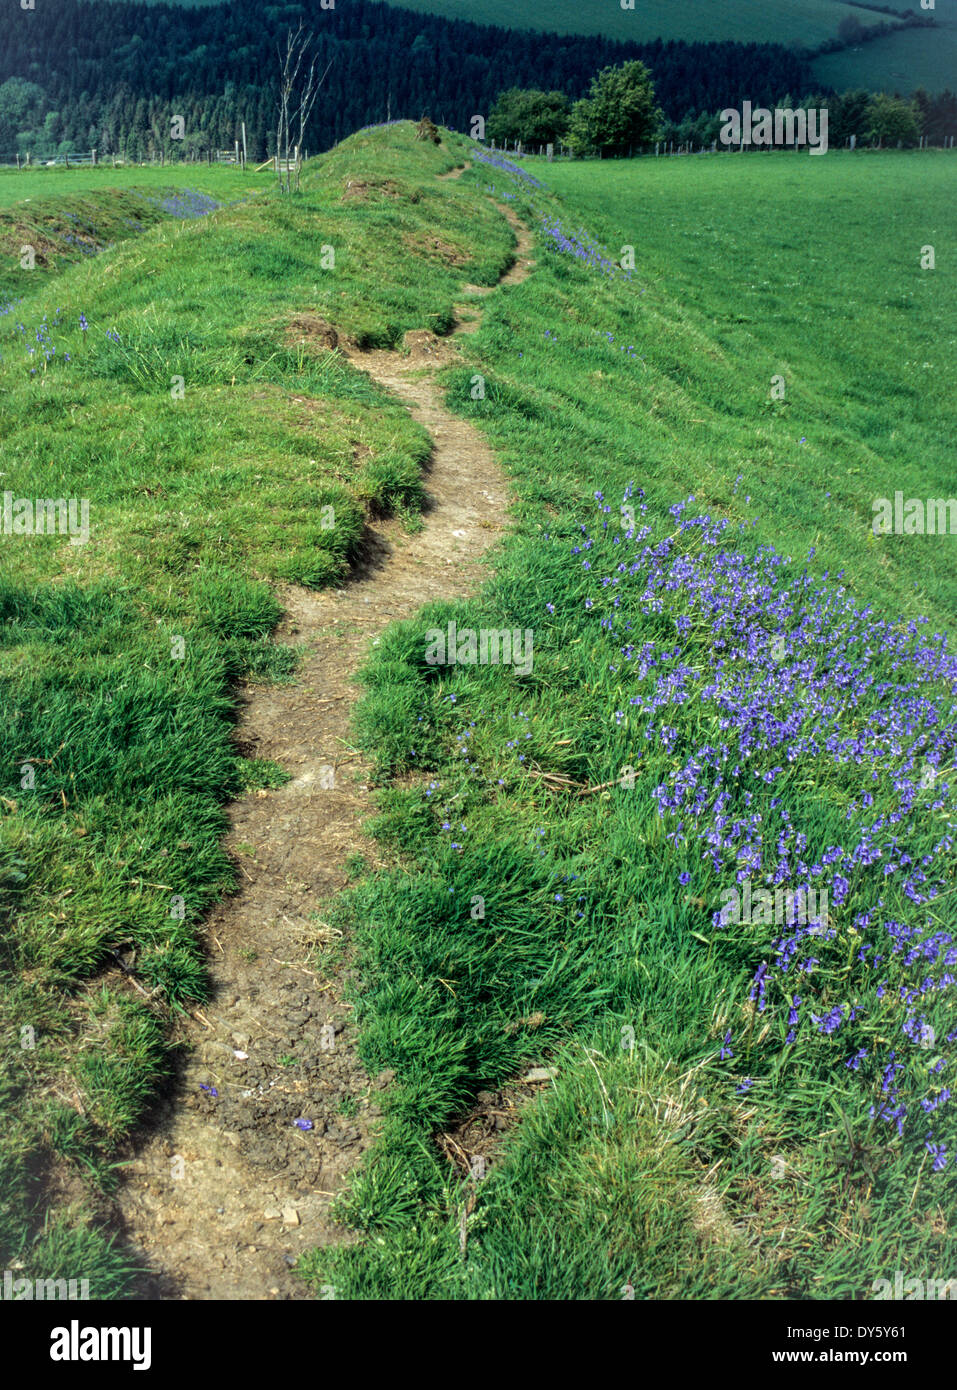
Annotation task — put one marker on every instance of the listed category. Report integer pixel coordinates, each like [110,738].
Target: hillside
[109,74]
[715,1113]
[898,62]
[795,23]
[507,1047]
[222,453]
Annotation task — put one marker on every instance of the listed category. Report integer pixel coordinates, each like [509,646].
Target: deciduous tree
[529,115]
[619,115]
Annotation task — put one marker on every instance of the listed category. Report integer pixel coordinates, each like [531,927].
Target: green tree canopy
[889,119]
[619,114]
[21,106]
[529,115]
[848,115]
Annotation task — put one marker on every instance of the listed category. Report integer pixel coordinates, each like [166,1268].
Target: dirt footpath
[272,1108]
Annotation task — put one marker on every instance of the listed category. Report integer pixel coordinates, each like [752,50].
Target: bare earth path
[225,1191]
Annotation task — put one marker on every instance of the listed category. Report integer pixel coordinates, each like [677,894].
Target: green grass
[222,452]
[867,408]
[527,924]
[65,216]
[222,181]
[58,231]
[554,930]
[797,23]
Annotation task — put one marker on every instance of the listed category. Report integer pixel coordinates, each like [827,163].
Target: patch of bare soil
[360,190]
[312,330]
[271,1107]
[436,247]
[472,1144]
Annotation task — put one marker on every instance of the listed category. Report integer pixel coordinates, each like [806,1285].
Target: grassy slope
[899,62]
[222,181]
[802,288]
[115,755]
[62,230]
[803,23]
[647,1165]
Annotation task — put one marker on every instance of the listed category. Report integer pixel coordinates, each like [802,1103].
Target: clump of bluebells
[582,246]
[186,204]
[83,245]
[41,349]
[789,741]
[629,351]
[494,160]
[801,743]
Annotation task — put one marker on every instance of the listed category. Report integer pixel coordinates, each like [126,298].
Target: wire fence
[95,159]
[513,149]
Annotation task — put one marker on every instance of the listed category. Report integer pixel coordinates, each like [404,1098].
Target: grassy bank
[732,683]
[181,387]
[222,181]
[40,236]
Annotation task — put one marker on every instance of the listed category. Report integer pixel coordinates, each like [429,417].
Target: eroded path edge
[225,1189]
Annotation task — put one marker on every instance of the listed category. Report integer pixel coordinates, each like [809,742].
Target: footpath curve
[224,1191]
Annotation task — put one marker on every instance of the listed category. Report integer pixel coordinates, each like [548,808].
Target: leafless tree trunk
[296,101]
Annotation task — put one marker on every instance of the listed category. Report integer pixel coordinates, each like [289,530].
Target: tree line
[621,116]
[869,118]
[80,74]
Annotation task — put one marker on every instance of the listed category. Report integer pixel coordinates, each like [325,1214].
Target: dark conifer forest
[112,75]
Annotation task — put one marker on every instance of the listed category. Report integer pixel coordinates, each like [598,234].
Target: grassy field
[899,62]
[801,23]
[866,405]
[220,451]
[221,181]
[739,1108]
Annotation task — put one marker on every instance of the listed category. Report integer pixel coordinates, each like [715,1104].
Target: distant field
[798,23]
[901,62]
[221,180]
[801,23]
